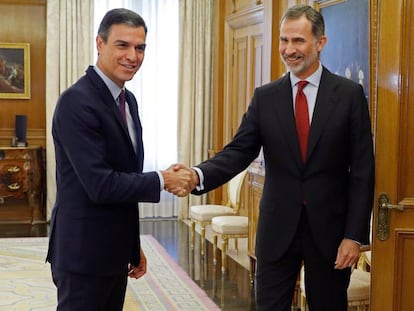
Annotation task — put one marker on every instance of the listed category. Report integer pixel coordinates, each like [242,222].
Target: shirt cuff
[200,174]
[359,243]
[161,180]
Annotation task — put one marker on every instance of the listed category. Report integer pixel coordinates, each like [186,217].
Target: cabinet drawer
[14,178]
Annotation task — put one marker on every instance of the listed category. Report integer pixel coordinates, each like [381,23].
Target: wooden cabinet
[22,197]
[256,182]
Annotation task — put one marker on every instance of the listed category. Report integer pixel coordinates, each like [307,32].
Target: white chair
[359,286]
[204,213]
[228,227]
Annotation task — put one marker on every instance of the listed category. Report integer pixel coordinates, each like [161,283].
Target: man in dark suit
[94,231]
[315,206]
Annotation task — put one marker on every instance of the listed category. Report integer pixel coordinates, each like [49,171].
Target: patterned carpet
[26,284]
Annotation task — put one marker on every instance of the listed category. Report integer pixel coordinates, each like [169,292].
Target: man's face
[122,55]
[298,48]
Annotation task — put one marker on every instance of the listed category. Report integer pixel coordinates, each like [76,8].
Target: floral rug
[26,283]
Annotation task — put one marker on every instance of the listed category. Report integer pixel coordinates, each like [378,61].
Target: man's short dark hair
[119,16]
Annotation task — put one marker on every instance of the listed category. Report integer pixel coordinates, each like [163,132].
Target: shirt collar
[313,79]
[113,88]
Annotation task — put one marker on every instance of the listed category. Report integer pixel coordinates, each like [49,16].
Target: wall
[24,21]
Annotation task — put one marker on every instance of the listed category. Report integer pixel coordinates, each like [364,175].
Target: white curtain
[155,86]
[68,53]
[195,74]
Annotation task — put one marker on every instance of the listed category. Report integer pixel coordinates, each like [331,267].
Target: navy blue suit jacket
[337,180]
[94,226]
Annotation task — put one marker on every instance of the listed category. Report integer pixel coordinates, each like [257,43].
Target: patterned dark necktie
[302,119]
[122,101]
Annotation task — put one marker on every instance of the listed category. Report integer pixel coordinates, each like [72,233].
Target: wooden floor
[231,291]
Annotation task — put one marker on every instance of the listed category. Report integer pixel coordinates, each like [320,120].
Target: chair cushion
[230,224]
[206,212]
[358,289]
[359,286]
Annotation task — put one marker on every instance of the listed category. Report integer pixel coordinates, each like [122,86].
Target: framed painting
[14,70]
[347,29]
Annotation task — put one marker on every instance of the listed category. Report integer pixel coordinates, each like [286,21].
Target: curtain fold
[155,87]
[69,47]
[194,92]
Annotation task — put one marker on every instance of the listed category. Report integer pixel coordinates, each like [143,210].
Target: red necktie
[302,118]
[122,101]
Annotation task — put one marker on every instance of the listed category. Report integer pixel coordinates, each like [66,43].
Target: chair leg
[302,302]
[236,245]
[192,233]
[215,249]
[224,244]
[252,271]
[203,238]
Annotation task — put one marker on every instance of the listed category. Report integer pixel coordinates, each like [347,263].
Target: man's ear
[99,43]
[321,43]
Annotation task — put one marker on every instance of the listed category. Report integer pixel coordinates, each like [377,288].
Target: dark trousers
[326,288]
[88,292]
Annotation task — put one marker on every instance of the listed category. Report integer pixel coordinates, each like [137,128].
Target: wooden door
[244,64]
[393,238]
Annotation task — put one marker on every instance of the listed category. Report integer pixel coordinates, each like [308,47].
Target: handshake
[180,179]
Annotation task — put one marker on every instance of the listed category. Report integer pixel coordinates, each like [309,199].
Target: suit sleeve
[237,155]
[362,171]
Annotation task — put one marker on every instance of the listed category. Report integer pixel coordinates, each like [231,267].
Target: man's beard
[306,62]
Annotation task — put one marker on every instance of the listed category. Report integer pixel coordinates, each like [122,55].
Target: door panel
[244,66]
[393,238]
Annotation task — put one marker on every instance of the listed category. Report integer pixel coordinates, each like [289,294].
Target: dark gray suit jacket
[337,180]
[94,226]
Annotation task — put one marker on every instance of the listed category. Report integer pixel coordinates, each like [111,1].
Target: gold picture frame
[319,4]
[14,70]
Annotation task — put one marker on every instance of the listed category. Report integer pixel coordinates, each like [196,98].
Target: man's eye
[140,48]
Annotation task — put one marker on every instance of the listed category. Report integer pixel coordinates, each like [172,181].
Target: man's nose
[290,48]
[131,54]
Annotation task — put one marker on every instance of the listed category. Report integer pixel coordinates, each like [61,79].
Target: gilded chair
[228,227]
[359,286]
[203,214]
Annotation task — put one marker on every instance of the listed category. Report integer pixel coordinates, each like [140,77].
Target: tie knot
[302,84]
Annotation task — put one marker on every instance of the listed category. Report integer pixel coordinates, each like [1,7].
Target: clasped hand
[180,179]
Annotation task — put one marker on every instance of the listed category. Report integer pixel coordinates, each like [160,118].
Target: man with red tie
[314,128]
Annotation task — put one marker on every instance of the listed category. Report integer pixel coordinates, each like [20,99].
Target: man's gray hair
[312,15]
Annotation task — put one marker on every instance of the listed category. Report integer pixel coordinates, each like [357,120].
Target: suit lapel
[108,100]
[325,102]
[106,96]
[286,116]
[133,108]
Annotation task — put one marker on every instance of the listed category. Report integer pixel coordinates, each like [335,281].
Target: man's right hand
[179,179]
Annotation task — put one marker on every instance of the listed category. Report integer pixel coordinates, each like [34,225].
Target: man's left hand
[348,254]
[137,272]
